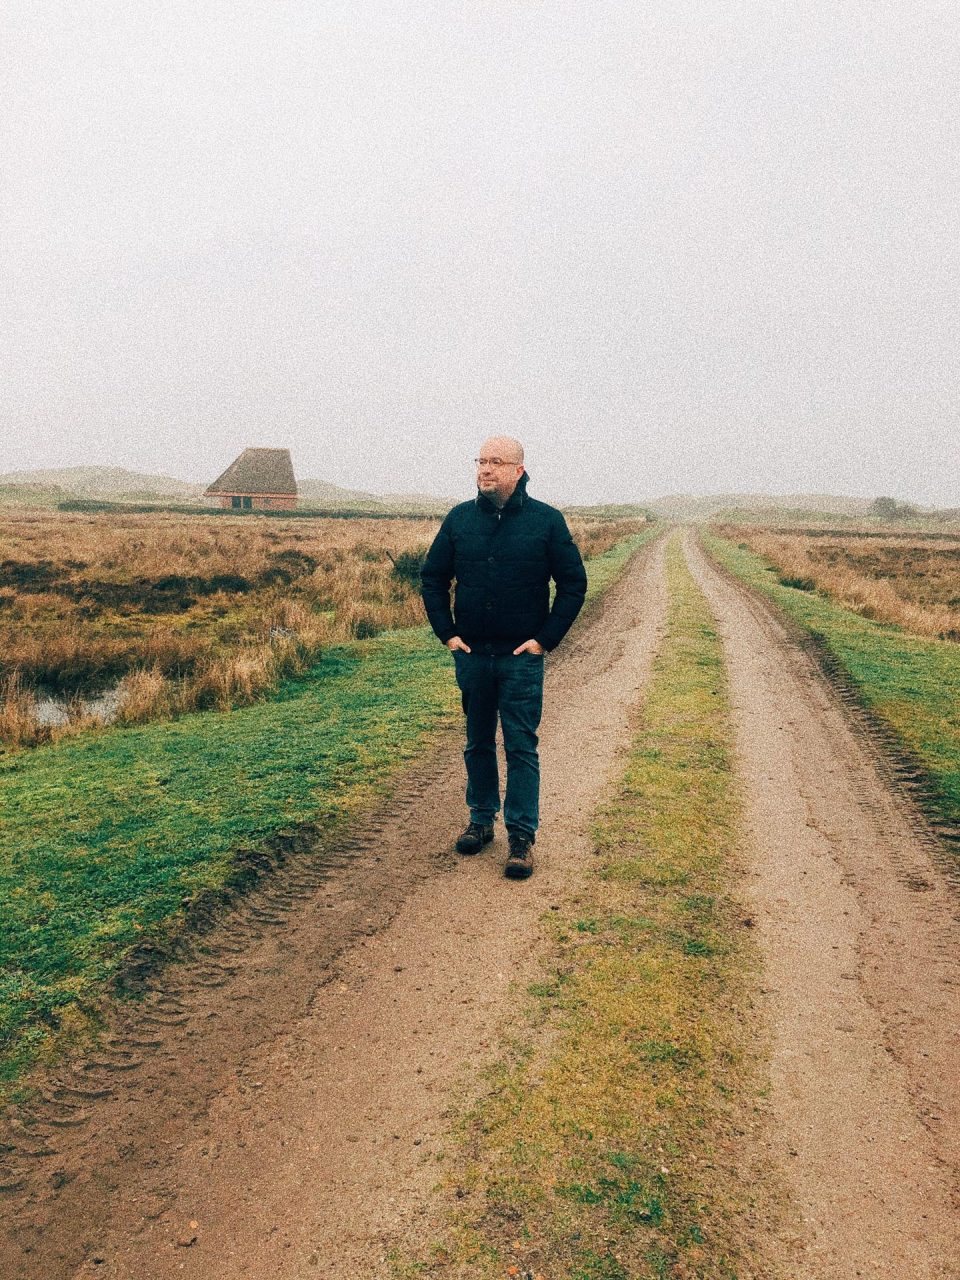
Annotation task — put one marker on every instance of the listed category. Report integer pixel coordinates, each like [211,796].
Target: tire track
[857,920]
[257,1085]
[167,1052]
[903,772]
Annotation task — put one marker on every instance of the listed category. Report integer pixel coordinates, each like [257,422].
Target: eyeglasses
[497,462]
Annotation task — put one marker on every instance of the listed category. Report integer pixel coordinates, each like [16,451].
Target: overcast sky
[673,246]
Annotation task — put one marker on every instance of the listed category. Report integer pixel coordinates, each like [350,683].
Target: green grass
[910,683]
[105,837]
[605,1143]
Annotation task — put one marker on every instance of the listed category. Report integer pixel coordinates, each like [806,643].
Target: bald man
[502,549]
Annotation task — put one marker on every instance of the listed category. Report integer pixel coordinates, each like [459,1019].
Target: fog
[698,247]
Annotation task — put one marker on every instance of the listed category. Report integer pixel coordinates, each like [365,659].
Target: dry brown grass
[187,612]
[18,715]
[145,695]
[195,612]
[911,582]
[594,537]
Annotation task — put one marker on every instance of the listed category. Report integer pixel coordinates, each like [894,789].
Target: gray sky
[674,246]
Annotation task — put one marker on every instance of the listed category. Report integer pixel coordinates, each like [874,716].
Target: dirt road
[278,1109]
[858,926]
[288,1094]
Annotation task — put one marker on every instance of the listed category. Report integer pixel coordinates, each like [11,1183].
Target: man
[502,549]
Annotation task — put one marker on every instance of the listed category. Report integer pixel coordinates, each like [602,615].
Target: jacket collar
[513,503]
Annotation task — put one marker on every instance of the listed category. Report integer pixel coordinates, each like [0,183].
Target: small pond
[55,709]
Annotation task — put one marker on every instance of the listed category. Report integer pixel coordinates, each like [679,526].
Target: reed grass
[191,613]
[18,714]
[912,584]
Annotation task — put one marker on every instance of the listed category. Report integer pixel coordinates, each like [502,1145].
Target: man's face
[499,468]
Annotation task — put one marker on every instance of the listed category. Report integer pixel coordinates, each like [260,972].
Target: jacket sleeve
[436,575]
[567,571]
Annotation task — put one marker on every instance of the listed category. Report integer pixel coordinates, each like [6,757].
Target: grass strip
[105,838]
[603,1146]
[909,683]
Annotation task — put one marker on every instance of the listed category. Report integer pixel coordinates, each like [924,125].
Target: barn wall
[260,501]
[283,503]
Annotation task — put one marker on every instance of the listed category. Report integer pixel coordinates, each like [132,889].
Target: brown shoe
[520,862]
[474,837]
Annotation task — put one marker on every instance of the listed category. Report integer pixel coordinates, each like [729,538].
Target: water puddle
[55,711]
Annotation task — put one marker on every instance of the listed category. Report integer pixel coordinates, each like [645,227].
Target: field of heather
[906,578]
[167,613]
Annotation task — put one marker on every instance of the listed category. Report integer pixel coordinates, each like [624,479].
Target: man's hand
[530,646]
[456,643]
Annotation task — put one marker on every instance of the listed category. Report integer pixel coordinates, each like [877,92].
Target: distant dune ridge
[112,483]
[48,486]
[682,506]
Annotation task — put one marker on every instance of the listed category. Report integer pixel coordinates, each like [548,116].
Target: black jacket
[503,561]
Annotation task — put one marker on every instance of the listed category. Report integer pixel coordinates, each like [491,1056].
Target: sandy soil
[277,1108]
[857,921]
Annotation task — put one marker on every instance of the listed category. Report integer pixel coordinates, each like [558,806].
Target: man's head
[499,468]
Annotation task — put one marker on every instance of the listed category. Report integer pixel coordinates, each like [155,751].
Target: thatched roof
[258,471]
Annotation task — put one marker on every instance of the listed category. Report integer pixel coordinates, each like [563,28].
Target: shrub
[407,566]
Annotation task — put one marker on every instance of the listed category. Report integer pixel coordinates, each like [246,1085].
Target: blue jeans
[509,686]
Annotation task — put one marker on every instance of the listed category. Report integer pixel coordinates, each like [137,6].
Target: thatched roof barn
[259,480]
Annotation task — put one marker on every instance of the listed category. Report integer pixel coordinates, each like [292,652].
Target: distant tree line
[893,509]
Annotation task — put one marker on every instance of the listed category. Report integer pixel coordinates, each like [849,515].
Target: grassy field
[195,613]
[105,836]
[899,577]
[911,683]
[606,1145]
